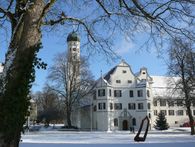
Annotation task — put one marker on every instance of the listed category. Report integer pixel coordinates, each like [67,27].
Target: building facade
[122,99]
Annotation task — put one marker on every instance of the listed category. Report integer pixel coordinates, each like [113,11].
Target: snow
[164,86]
[175,137]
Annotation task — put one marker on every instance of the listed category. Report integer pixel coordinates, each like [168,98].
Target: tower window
[74,49]
[124,71]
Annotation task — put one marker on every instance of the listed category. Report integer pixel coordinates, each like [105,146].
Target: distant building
[122,99]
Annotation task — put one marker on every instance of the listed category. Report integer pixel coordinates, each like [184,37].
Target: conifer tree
[161,122]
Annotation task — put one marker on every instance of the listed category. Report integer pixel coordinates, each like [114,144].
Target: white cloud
[124,46]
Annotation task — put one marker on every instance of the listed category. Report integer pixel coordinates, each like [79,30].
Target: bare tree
[72,85]
[49,106]
[27,18]
[182,65]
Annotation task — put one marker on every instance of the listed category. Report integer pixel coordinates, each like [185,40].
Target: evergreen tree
[161,122]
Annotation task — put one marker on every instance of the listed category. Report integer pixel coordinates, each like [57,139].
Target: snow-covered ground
[176,137]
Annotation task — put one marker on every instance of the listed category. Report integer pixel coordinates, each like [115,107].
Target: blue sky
[55,41]
[128,50]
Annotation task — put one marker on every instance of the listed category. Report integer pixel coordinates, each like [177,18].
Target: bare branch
[103,7]
[63,18]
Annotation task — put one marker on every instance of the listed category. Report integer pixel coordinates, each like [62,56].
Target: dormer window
[118,81]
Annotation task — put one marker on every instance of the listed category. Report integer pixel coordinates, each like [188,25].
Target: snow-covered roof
[164,86]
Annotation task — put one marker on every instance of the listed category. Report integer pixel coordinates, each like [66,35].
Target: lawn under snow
[177,137]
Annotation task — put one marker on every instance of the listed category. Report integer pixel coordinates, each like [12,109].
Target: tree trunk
[69,123]
[19,73]
[191,120]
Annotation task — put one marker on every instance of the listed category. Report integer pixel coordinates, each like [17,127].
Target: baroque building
[122,99]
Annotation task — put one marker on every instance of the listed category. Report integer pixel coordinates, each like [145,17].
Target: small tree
[161,122]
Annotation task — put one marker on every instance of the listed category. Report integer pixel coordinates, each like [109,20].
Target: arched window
[134,122]
[115,122]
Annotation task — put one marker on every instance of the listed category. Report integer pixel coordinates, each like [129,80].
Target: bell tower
[73,41]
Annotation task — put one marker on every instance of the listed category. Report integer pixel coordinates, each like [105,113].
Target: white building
[123,99]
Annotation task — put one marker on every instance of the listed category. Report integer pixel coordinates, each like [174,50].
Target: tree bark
[69,123]
[17,74]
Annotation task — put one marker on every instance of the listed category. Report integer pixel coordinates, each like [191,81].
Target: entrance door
[125,125]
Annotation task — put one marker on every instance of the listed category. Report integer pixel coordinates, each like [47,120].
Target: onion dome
[73,36]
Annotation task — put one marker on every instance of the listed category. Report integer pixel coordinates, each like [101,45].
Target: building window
[117,106]
[131,106]
[149,115]
[140,106]
[155,102]
[117,93]
[180,112]
[134,122]
[170,103]
[101,92]
[124,71]
[155,112]
[111,106]
[149,106]
[110,92]
[179,102]
[171,112]
[140,93]
[148,93]
[101,106]
[193,112]
[118,81]
[116,122]
[164,112]
[162,102]
[129,81]
[131,93]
